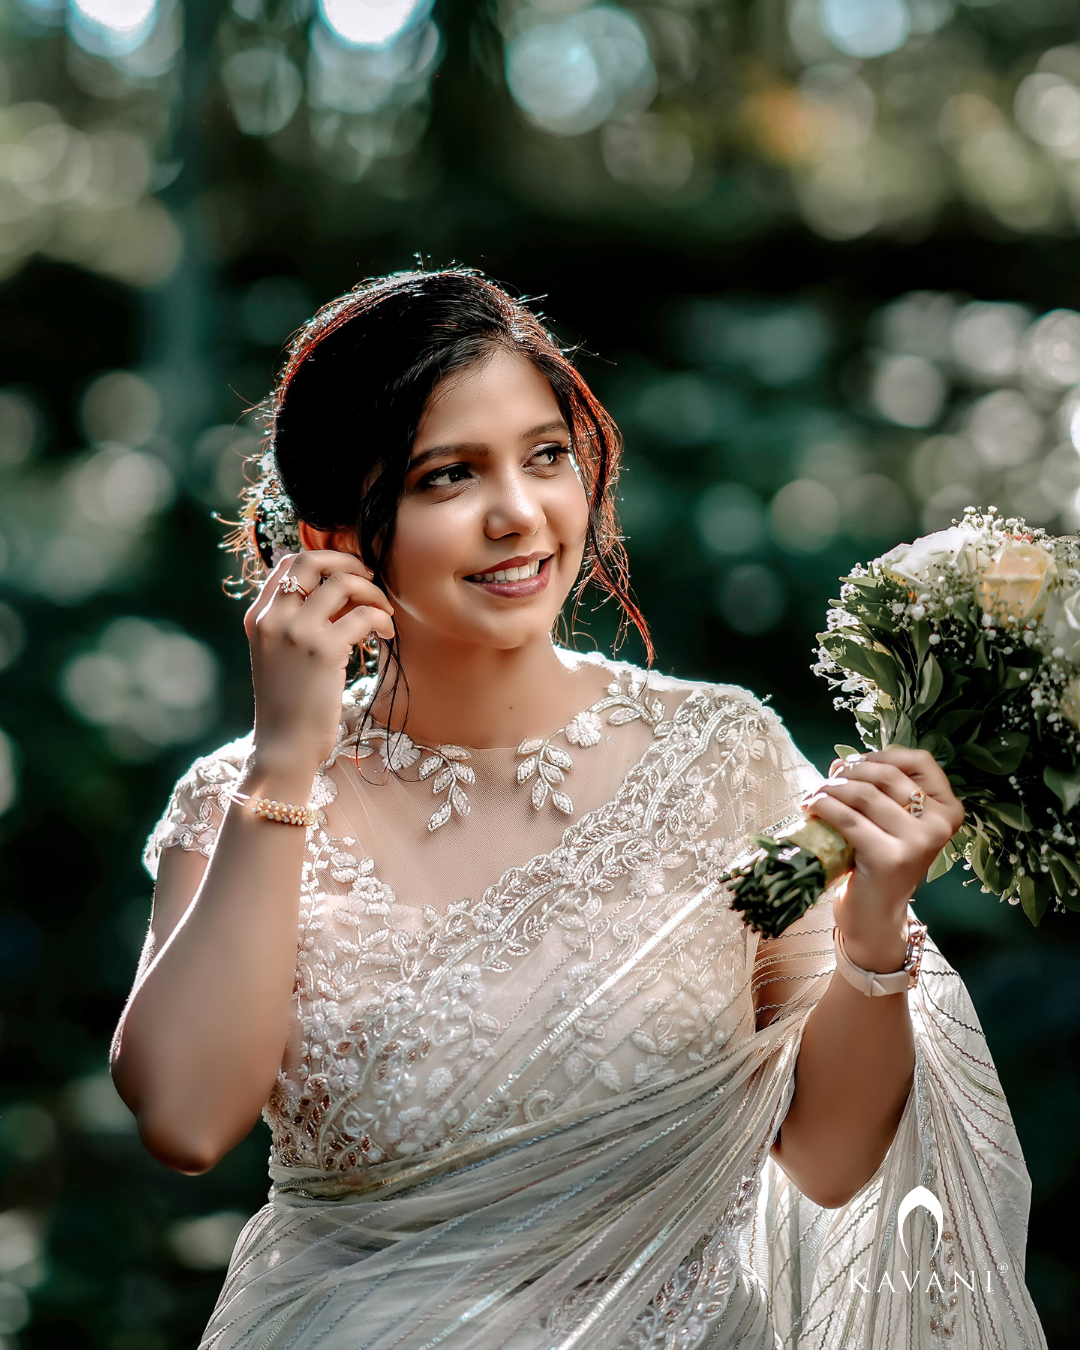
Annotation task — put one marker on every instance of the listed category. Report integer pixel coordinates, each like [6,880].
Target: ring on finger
[291,586]
[917,805]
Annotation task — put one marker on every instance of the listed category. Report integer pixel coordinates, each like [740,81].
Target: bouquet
[965,643]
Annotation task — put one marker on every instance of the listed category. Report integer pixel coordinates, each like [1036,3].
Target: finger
[310,568]
[886,777]
[361,622]
[870,801]
[859,831]
[268,590]
[919,765]
[340,593]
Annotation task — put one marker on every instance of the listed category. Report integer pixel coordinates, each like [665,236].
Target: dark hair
[347,405]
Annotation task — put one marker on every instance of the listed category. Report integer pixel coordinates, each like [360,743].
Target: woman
[531,1082]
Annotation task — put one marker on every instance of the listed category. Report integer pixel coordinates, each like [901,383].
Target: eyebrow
[456,448]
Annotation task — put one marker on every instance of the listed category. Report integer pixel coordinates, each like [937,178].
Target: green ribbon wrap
[788,873]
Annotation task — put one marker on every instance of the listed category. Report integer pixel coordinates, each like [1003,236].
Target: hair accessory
[291,586]
[871,983]
[283,812]
[917,805]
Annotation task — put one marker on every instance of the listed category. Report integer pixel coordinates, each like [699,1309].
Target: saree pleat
[541,1119]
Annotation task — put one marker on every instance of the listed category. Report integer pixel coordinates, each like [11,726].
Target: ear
[341,541]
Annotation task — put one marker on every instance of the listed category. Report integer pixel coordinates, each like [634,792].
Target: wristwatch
[871,983]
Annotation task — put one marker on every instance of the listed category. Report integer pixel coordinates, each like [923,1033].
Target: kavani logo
[921,1198]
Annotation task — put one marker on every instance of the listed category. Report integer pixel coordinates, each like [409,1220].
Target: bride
[458,929]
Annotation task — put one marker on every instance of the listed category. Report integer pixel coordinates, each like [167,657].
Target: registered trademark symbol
[1003,1266]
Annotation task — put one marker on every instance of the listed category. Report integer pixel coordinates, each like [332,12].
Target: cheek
[569,514]
[424,556]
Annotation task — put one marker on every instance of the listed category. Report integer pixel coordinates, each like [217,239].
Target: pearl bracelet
[266,808]
[872,983]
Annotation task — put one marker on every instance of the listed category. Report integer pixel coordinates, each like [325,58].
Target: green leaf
[1001,754]
[1033,899]
[1012,813]
[1071,865]
[904,734]
[1017,677]
[980,851]
[931,683]
[1065,786]
[845,751]
[877,666]
[950,723]
[942,863]
[980,662]
[1063,882]
[920,637]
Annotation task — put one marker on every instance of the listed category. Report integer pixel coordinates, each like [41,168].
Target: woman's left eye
[550,453]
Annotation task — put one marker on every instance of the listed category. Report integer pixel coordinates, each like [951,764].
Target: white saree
[534,1071]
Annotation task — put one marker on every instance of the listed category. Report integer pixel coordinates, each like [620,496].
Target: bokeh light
[121,406]
[8,778]
[751,598]
[569,77]
[148,684]
[731,519]
[805,516]
[865,27]
[369,23]
[111,26]
[264,89]
[206,1242]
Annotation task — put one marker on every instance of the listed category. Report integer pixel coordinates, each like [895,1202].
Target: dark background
[734,239]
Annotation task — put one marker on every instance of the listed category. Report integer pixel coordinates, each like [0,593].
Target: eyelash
[429,480]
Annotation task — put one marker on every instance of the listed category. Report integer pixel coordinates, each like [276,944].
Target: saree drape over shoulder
[534,1071]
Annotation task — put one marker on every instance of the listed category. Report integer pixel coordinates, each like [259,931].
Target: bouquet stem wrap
[787,873]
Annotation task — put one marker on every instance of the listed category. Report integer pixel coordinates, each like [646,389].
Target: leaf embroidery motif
[447,763]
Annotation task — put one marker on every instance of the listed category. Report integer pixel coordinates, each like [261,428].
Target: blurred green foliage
[770,229]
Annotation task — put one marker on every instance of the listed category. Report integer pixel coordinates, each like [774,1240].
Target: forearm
[852,1079]
[203,1034]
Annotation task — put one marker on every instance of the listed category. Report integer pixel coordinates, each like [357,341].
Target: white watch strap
[868,982]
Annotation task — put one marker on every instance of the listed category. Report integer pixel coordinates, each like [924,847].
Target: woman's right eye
[447,476]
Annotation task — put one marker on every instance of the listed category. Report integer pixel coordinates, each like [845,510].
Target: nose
[512,506]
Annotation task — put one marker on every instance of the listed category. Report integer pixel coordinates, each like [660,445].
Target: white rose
[914,564]
[1063,623]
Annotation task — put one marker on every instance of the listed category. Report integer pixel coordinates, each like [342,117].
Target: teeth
[511,573]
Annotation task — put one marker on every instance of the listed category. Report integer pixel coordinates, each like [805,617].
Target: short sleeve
[198,802]
[790,971]
[766,775]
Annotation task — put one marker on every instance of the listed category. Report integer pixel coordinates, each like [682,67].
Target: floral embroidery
[584,729]
[397,1017]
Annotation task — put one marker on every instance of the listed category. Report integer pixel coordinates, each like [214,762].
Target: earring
[369,654]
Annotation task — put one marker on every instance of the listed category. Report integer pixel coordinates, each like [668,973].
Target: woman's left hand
[867,800]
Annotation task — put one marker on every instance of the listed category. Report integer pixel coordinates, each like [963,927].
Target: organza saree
[537,1064]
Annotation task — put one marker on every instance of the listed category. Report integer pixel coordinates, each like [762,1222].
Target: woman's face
[491,526]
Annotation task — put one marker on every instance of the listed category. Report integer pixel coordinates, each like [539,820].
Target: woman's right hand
[300,650]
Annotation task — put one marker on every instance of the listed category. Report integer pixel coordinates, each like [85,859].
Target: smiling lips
[522,576]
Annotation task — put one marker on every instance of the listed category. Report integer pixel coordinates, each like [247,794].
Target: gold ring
[917,805]
[291,586]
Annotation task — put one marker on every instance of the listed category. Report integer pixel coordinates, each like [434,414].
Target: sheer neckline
[357,697]
[542,763]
